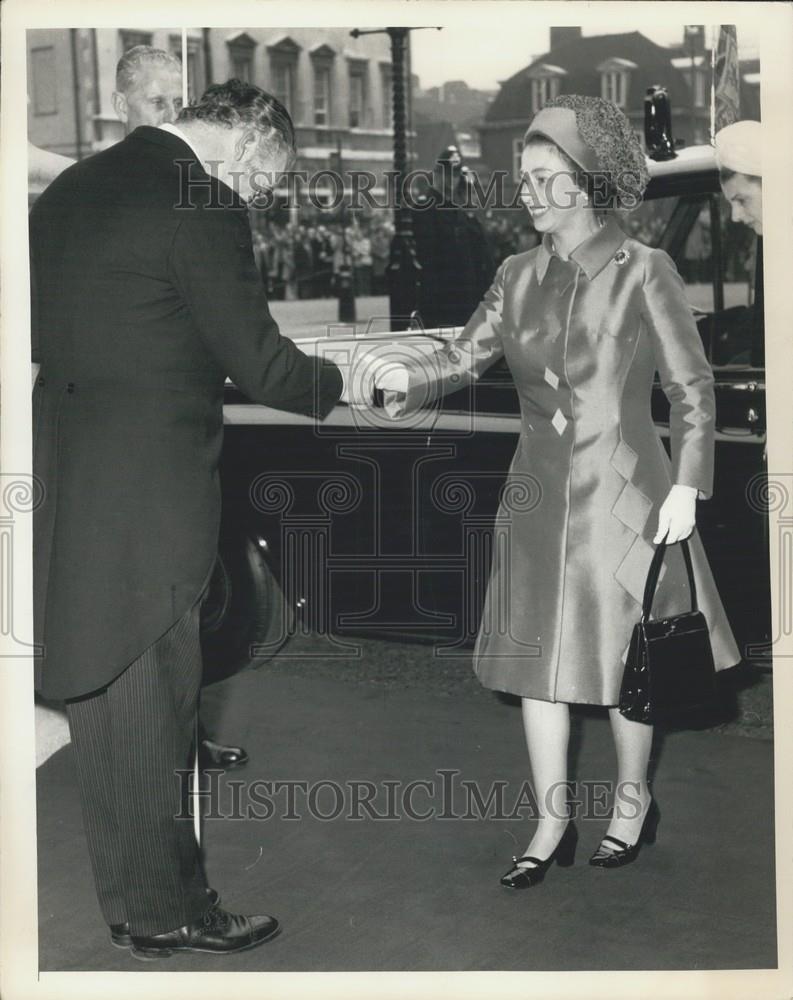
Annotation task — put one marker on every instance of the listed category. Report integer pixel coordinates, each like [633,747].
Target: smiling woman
[583,322]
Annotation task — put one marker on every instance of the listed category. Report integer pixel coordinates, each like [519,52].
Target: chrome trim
[254,415]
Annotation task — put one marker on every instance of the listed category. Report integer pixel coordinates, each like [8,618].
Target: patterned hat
[597,136]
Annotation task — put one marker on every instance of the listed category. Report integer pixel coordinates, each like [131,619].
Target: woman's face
[548,189]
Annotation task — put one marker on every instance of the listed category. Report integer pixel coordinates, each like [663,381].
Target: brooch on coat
[621,257]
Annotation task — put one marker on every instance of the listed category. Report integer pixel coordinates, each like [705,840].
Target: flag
[726,79]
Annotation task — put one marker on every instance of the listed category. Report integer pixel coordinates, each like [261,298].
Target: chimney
[560,36]
[694,39]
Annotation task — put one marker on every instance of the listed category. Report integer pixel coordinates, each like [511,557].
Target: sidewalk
[407,894]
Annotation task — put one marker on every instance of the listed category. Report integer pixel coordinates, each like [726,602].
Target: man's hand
[678,514]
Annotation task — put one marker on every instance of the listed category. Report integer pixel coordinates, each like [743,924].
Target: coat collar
[162,137]
[179,148]
[591,255]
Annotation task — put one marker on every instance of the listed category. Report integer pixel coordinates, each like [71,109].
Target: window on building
[700,89]
[387,89]
[241,48]
[358,95]
[129,39]
[517,153]
[543,89]
[614,87]
[284,55]
[283,76]
[42,71]
[321,93]
[196,84]
[242,65]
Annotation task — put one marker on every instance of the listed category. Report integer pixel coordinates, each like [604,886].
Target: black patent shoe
[119,933]
[521,877]
[218,932]
[211,754]
[614,853]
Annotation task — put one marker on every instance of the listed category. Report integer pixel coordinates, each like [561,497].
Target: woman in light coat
[584,321]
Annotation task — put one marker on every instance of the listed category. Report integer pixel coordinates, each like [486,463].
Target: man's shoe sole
[153,954]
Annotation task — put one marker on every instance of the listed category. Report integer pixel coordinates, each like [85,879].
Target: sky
[483,59]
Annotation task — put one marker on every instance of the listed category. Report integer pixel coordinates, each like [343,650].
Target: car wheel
[244,619]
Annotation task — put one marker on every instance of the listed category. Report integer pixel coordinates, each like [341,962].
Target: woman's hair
[725,174]
[597,188]
[236,103]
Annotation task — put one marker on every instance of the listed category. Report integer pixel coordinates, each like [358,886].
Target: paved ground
[422,894]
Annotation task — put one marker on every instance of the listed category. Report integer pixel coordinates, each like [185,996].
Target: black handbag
[669,667]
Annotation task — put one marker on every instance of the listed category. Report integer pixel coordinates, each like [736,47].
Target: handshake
[365,367]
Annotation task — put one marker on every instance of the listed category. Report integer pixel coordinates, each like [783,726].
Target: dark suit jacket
[142,305]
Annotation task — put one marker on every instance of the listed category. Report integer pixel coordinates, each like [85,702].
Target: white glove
[677,515]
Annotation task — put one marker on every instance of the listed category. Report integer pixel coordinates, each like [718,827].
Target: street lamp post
[344,278]
[404,270]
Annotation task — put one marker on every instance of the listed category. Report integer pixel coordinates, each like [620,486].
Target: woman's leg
[633,742]
[547,728]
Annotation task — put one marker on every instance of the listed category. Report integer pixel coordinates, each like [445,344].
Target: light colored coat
[583,339]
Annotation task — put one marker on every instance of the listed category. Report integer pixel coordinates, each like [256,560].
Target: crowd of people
[307,259]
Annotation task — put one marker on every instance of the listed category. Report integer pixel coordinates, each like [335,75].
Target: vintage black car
[363,527]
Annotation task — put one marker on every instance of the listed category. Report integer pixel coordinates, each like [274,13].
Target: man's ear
[246,145]
[119,102]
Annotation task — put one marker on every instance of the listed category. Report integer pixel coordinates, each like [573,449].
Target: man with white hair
[148,87]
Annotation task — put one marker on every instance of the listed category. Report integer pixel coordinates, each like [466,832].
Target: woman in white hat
[584,321]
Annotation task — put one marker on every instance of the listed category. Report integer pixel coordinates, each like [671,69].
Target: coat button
[70,387]
[40,380]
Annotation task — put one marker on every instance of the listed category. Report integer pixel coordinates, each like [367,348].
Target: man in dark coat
[145,297]
[456,264]
[148,92]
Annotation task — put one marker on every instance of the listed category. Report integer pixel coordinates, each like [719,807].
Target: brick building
[619,67]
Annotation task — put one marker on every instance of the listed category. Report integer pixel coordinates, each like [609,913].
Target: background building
[619,67]
[337,89]
[448,115]
[71,75]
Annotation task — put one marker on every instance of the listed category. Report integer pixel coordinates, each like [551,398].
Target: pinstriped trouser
[128,740]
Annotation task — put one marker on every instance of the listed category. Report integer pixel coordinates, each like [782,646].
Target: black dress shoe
[614,853]
[119,933]
[211,754]
[218,932]
[523,877]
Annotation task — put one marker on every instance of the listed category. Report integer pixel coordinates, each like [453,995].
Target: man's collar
[175,130]
[591,255]
[172,137]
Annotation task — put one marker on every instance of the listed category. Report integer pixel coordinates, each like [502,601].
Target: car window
[739,250]
[648,222]
[719,274]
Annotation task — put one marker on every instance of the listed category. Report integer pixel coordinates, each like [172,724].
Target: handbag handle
[654,572]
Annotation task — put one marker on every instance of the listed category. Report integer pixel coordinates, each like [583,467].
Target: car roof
[689,159]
